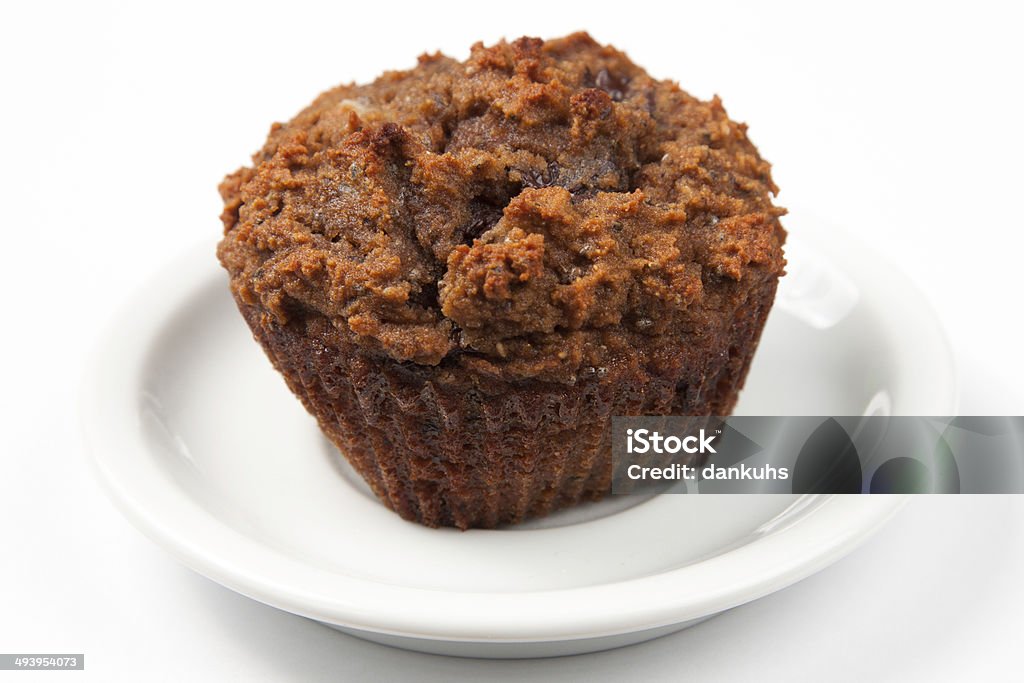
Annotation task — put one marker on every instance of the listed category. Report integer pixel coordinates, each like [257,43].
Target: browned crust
[538,210]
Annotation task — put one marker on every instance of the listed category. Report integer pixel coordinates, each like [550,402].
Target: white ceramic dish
[201,445]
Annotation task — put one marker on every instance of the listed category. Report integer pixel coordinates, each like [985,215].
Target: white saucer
[201,445]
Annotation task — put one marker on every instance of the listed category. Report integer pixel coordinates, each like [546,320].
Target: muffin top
[539,210]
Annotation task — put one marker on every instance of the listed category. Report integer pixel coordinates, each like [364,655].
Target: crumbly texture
[541,210]
[465,270]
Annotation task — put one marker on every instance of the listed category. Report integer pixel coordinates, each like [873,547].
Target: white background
[901,123]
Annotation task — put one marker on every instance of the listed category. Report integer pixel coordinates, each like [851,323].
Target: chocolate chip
[611,84]
[537,179]
[485,215]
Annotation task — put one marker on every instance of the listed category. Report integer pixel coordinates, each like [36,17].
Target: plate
[200,444]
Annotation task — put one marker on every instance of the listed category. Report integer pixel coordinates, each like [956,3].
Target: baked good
[464,270]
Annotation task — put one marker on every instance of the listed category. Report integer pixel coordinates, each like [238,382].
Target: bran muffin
[464,270]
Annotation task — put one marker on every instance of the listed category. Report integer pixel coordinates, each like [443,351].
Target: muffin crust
[541,209]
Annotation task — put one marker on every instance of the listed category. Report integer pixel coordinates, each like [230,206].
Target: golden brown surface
[536,210]
[466,269]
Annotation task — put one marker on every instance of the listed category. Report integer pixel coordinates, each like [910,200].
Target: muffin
[464,270]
